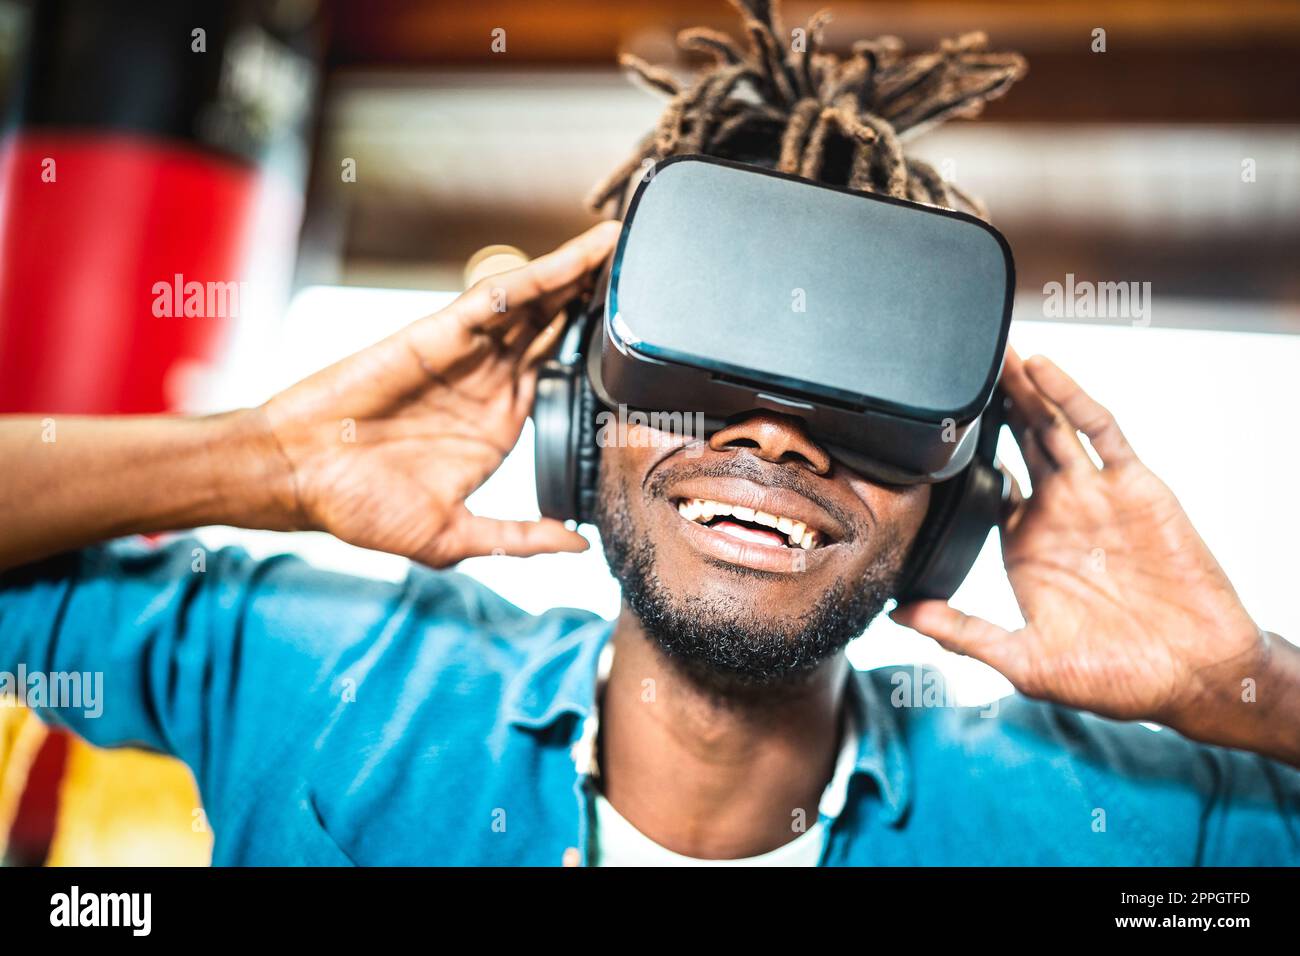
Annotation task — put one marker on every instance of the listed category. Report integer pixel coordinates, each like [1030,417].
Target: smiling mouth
[749,525]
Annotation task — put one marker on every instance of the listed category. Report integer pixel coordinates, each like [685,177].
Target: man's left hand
[1127,613]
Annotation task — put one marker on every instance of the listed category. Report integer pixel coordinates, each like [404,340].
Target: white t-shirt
[616,842]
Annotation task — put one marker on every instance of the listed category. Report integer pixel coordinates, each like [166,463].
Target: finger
[1036,459]
[1082,411]
[543,346]
[1013,507]
[1024,395]
[477,536]
[955,631]
[522,340]
[525,392]
[538,288]
[477,322]
[526,366]
[1040,415]
[516,338]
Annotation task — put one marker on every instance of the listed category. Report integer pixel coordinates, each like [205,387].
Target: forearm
[70,481]
[1251,705]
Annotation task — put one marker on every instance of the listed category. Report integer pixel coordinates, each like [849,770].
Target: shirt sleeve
[1187,802]
[210,656]
[1252,811]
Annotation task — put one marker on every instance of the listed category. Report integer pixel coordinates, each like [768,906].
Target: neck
[710,774]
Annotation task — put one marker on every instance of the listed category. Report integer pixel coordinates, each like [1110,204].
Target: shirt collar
[564,680]
[881,754]
[561,680]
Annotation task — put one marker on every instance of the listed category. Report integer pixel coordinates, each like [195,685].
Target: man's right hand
[383,448]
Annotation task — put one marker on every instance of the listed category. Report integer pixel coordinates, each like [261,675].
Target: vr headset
[880,323]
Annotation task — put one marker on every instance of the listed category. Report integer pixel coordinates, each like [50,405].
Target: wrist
[252,477]
[1250,702]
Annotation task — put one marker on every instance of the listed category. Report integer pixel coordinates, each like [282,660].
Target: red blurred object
[38,808]
[148,141]
[80,256]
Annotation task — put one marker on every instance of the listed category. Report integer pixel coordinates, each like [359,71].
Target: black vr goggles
[881,323]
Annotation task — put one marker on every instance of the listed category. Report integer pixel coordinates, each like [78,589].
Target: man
[337,720]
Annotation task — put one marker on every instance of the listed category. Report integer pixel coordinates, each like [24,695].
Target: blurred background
[332,166]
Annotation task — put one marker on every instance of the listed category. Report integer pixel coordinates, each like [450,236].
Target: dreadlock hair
[814,114]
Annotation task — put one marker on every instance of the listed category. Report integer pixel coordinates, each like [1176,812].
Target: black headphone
[962,509]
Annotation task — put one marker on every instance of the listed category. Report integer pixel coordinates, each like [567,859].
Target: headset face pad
[879,322]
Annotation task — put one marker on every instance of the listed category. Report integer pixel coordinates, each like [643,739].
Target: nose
[773,437]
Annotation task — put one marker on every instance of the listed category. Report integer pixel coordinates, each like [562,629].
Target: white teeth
[703,510]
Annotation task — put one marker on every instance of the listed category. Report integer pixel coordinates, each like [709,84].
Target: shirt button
[571,857]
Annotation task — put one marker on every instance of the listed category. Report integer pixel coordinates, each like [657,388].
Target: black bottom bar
[917,907]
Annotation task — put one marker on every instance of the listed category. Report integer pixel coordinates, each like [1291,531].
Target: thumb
[473,536]
[955,631]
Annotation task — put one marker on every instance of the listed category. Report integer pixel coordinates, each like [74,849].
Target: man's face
[687,528]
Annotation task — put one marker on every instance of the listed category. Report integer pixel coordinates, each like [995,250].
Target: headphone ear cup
[567,455]
[962,512]
[553,414]
[954,532]
[585,450]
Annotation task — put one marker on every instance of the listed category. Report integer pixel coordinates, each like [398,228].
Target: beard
[726,646]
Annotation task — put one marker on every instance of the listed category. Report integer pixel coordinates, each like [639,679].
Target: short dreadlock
[815,114]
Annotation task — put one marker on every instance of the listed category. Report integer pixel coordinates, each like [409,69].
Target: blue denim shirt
[338,720]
